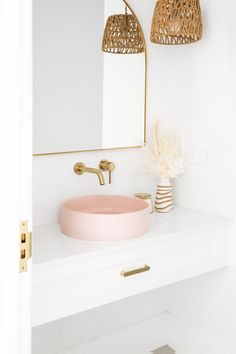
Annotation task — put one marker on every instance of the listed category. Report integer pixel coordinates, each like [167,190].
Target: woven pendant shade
[122,35]
[176,22]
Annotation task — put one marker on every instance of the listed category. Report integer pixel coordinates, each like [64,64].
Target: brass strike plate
[25,246]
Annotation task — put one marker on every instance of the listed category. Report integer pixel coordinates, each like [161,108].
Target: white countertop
[49,244]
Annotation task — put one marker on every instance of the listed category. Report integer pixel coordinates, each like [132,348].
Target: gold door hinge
[25,245]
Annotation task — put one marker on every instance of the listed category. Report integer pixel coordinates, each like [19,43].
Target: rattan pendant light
[176,22]
[122,35]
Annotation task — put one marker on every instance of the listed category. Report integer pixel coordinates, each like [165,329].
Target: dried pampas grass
[164,158]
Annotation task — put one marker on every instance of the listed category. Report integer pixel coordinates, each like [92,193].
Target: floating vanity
[71,276]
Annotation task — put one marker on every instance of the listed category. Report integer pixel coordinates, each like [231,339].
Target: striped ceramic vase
[164,197]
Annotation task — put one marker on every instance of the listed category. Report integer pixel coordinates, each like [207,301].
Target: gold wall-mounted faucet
[80,168]
[105,166]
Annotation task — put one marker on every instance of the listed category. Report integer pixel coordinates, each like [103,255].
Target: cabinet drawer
[169,262]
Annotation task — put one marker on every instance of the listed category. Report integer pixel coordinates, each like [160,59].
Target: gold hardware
[25,245]
[109,166]
[80,168]
[88,150]
[128,273]
[147,198]
[144,196]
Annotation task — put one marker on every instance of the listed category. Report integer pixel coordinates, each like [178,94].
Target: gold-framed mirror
[85,98]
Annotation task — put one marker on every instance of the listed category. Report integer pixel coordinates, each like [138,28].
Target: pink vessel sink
[104,218]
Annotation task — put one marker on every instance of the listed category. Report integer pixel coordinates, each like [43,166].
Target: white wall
[207,304]
[190,88]
[55,180]
[72,331]
[123,100]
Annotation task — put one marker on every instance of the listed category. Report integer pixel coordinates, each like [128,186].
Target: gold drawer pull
[146,268]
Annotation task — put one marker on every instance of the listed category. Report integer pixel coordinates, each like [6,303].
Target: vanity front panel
[64,287]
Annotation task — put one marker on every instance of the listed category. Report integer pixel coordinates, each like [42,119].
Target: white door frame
[15,170]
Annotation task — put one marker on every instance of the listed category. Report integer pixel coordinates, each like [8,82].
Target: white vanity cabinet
[71,276]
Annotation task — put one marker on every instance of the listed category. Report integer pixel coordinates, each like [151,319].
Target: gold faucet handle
[79,168]
[105,166]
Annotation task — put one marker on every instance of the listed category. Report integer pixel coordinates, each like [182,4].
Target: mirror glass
[84,98]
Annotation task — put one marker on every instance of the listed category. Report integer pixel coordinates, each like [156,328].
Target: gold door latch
[25,245]
[128,273]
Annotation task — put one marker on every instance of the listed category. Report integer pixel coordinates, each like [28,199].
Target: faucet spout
[96,172]
[80,168]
